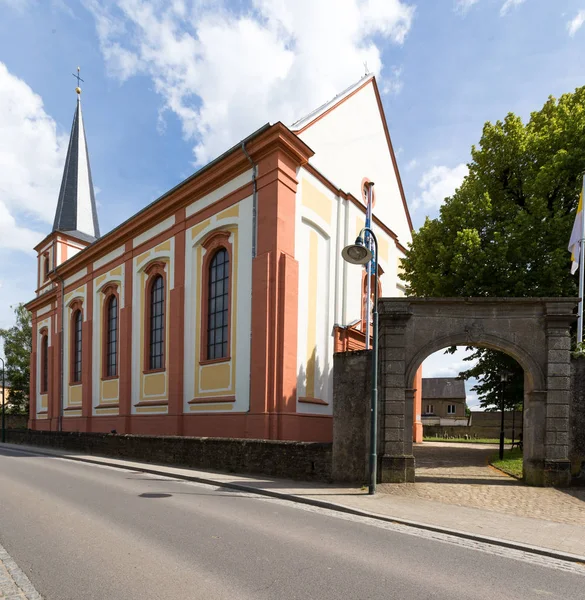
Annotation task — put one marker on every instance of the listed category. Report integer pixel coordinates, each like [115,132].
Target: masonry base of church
[307,461]
[261,426]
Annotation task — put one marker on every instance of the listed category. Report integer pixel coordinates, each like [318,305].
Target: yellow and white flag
[577,234]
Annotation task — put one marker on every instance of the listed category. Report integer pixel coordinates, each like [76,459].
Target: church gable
[351,143]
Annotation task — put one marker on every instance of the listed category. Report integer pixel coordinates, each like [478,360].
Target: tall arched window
[112,336]
[218,305]
[157,318]
[44,363]
[372,294]
[76,354]
[46,267]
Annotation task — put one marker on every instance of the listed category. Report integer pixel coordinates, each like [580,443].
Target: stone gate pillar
[557,466]
[534,434]
[397,460]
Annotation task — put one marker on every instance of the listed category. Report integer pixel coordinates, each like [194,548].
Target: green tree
[505,231]
[488,370]
[17,350]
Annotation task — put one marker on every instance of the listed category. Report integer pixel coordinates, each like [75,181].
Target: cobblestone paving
[14,584]
[459,474]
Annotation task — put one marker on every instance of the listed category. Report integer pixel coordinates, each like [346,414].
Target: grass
[466,441]
[511,463]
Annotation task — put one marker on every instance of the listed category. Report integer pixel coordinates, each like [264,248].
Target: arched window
[76,354]
[218,305]
[44,363]
[372,295]
[157,319]
[111,336]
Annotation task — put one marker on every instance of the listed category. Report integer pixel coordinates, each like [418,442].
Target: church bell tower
[76,223]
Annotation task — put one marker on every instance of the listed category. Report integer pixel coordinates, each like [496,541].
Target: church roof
[76,212]
[443,387]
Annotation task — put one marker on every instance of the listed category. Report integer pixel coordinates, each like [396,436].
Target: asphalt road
[82,531]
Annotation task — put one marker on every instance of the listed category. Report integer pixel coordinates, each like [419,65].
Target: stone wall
[351,416]
[293,460]
[577,451]
[16,421]
[483,425]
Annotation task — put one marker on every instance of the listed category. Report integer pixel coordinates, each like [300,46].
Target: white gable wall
[330,289]
[350,144]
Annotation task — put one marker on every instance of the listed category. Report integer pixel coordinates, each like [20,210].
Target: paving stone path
[459,474]
[14,584]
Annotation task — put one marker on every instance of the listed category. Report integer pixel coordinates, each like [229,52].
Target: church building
[216,309]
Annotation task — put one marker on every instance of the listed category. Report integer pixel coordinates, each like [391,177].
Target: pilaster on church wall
[275,292]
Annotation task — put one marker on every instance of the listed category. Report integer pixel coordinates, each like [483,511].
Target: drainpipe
[62,351]
[254,200]
[254,242]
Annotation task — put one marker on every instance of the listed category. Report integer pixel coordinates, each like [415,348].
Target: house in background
[443,401]
[216,310]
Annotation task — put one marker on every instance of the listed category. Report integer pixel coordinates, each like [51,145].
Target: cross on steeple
[78,89]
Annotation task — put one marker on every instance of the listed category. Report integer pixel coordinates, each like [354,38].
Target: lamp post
[513,425]
[503,379]
[360,254]
[3,401]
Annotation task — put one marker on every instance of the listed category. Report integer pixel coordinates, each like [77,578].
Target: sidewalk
[14,584]
[537,535]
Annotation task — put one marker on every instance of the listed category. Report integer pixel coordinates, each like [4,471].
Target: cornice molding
[275,138]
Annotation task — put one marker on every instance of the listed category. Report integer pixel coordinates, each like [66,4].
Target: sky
[170,84]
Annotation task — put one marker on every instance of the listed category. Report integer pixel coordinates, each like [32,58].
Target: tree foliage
[505,231]
[17,349]
[488,371]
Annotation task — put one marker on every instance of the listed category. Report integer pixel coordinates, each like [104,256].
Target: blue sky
[171,84]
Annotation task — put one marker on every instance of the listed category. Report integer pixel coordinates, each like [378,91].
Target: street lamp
[3,401]
[513,424]
[503,378]
[360,254]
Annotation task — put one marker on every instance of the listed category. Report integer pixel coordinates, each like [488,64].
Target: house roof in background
[443,387]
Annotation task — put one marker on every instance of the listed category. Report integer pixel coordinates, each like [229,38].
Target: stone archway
[534,331]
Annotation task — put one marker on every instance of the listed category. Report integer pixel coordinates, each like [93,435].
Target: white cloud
[62,6]
[56,6]
[16,4]
[438,183]
[393,82]
[225,73]
[14,237]
[31,163]
[576,23]
[509,5]
[462,6]
[412,164]
[440,364]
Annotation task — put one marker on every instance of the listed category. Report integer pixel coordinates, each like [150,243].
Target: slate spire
[76,210]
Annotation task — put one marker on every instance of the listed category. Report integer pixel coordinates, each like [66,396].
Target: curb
[144,468]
